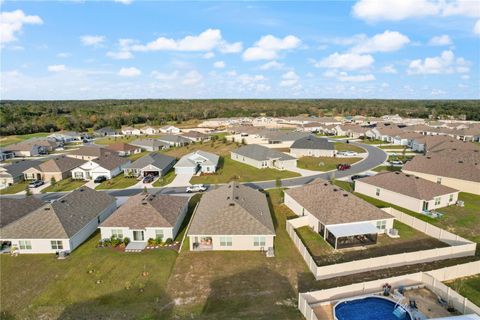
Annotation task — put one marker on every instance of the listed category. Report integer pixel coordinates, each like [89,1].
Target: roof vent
[429,158]
[416,178]
[232,204]
[396,172]
[144,202]
[63,201]
[335,189]
[345,195]
[236,198]
[47,208]
[460,161]
[407,175]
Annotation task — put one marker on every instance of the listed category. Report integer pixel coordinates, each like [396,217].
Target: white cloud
[192,78]
[289,79]
[443,40]
[208,40]
[345,77]
[396,10]
[272,65]
[208,55]
[389,69]
[92,40]
[119,55]
[129,72]
[476,28]
[123,1]
[383,42]
[12,22]
[347,61]
[57,68]
[268,46]
[64,54]
[445,63]
[165,76]
[219,64]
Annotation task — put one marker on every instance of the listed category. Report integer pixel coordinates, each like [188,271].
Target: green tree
[28,192]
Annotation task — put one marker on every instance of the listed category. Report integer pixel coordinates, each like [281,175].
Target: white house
[154,164]
[58,226]
[170,129]
[262,157]
[232,217]
[146,216]
[196,161]
[108,166]
[128,131]
[149,130]
[407,191]
[312,146]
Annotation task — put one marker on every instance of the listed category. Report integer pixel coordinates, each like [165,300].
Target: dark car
[36,184]
[100,179]
[359,176]
[343,166]
[148,179]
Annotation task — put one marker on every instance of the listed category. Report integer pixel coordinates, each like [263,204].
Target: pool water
[369,308]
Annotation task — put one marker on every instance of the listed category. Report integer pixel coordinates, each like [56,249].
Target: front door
[425,206]
[138,236]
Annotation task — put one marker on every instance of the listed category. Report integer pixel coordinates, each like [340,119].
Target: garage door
[185,170]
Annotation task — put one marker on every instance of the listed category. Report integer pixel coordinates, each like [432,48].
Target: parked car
[396,163]
[343,166]
[148,179]
[36,183]
[100,179]
[196,188]
[359,176]
[350,153]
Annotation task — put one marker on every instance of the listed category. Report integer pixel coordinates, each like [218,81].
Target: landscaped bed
[323,163]
[118,182]
[68,184]
[410,240]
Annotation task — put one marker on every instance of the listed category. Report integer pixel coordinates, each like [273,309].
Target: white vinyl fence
[432,280]
[459,247]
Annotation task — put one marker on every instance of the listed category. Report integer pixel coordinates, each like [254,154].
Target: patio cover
[352,229]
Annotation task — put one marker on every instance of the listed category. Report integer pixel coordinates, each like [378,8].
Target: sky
[394,49]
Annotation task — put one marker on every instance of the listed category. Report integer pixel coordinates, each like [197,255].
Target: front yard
[15,188]
[387,168]
[126,139]
[68,184]
[166,179]
[410,240]
[218,147]
[323,163]
[341,146]
[118,182]
[233,170]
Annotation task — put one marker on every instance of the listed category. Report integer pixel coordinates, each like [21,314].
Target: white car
[196,188]
[396,163]
[347,153]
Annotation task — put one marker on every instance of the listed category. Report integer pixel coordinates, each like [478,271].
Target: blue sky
[398,49]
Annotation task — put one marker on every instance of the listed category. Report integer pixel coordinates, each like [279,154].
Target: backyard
[118,182]
[410,240]
[468,287]
[323,163]
[387,168]
[218,147]
[126,139]
[6,140]
[68,184]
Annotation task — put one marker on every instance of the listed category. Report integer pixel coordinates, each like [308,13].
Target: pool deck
[324,311]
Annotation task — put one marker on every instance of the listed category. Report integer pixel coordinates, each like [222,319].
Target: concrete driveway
[181,180]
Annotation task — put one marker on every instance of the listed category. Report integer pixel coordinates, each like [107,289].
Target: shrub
[151,241]
[126,240]
[115,241]
[169,241]
[53,181]
[158,240]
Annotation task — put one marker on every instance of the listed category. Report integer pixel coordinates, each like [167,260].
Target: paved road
[375,158]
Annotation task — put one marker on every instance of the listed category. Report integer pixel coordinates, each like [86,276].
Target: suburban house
[68,136]
[60,226]
[107,166]
[440,143]
[195,136]
[58,168]
[123,149]
[448,169]
[148,130]
[196,161]
[105,132]
[15,208]
[150,144]
[313,147]
[155,164]
[232,217]
[146,216]
[26,149]
[13,172]
[263,157]
[310,127]
[170,129]
[89,152]
[407,191]
[129,131]
[341,218]
[174,141]
[384,133]
[48,144]
[283,138]
[6,154]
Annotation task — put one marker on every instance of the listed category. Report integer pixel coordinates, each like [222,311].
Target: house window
[225,241]
[117,233]
[259,241]
[78,175]
[56,244]
[159,234]
[25,244]
[450,198]
[382,224]
[439,180]
[377,191]
[437,200]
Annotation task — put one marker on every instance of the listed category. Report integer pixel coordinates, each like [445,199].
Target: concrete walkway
[181,180]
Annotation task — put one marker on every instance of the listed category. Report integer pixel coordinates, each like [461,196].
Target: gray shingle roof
[148,211]
[110,161]
[158,160]
[174,138]
[150,143]
[232,209]
[188,159]
[312,142]
[332,205]
[261,153]
[91,151]
[13,209]
[61,219]
[16,168]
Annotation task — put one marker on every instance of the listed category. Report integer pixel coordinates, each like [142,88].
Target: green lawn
[14,188]
[399,157]
[323,163]
[217,147]
[233,170]
[468,287]
[126,139]
[166,179]
[345,185]
[118,182]
[387,168]
[393,147]
[367,141]
[64,185]
[6,140]
[341,146]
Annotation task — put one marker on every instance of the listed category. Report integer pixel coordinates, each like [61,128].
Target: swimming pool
[367,308]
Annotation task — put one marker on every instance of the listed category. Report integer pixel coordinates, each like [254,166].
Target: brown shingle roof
[14,209]
[147,211]
[60,164]
[91,151]
[121,146]
[408,185]
[332,205]
[110,161]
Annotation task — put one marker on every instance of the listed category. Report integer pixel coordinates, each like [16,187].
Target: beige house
[58,168]
[232,217]
[447,168]
[341,218]
[312,146]
[123,149]
[262,157]
[407,191]
[90,152]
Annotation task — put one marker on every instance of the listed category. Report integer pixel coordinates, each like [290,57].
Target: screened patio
[351,235]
